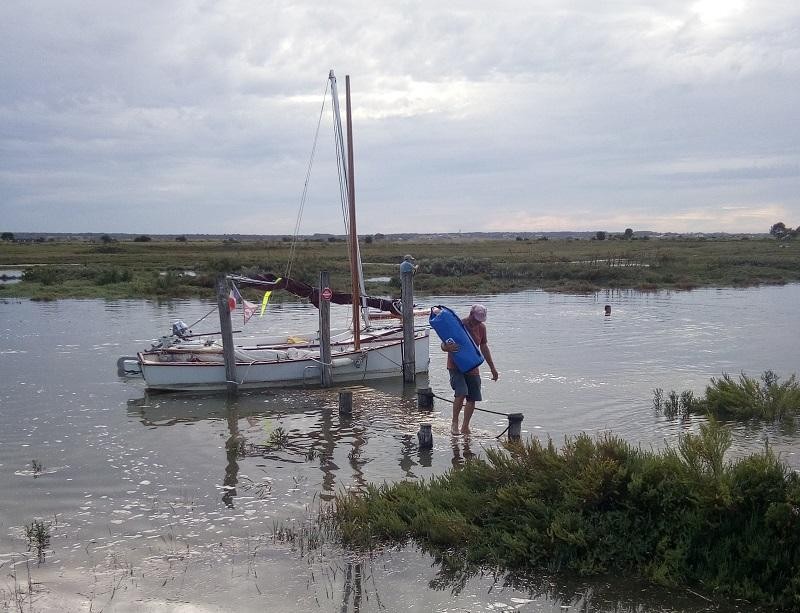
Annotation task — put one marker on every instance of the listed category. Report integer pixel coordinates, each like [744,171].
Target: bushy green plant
[682,516]
[766,398]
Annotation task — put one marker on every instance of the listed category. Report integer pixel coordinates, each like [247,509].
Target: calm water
[151,505]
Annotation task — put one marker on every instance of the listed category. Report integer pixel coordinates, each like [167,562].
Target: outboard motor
[180,329]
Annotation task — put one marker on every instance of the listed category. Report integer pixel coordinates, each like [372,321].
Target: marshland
[181,268]
[117,499]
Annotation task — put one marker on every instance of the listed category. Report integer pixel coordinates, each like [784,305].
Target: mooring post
[424,398]
[514,426]
[325,329]
[346,403]
[425,436]
[226,330]
[407,297]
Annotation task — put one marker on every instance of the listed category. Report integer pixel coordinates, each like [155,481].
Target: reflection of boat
[183,363]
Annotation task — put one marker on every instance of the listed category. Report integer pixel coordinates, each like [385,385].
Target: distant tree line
[627,235]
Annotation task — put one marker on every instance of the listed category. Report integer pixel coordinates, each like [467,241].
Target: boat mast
[355,265]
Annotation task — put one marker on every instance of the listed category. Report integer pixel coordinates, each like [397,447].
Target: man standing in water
[467,386]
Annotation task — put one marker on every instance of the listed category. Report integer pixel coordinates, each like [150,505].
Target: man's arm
[487,355]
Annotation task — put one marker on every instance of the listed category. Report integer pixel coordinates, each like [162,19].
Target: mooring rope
[484,410]
[476,408]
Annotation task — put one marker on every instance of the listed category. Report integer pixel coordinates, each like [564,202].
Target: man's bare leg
[458,402]
[469,409]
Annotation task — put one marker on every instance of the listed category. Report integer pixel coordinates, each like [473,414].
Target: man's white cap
[478,312]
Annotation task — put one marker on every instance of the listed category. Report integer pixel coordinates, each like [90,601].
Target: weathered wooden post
[514,426]
[407,297]
[425,436]
[325,328]
[226,330]
[346,403]
[424,398]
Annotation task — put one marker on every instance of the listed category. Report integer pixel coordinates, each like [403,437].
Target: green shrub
[747,398]
[682,516]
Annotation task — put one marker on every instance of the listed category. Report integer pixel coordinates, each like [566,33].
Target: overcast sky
[189,116]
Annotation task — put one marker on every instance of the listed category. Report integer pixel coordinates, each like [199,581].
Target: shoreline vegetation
[682,517]
[165,269]
[765,400]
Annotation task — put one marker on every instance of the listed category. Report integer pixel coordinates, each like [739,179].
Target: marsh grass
[133,269]
[682,516]
[38,534]
[748,398]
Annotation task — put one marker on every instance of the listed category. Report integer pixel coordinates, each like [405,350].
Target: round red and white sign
[327,293]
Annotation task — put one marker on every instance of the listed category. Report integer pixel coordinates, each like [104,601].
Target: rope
[504,431]
[203,317]
[476,408]
[304,195]
[485,411]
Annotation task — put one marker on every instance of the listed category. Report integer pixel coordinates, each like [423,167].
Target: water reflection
[301,429]
[234,449]
[462,451]
[569,593]
[162,478]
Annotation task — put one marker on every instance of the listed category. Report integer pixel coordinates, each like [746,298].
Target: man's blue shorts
[466,385]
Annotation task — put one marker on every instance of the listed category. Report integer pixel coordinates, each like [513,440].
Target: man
[467,386]
[407,265]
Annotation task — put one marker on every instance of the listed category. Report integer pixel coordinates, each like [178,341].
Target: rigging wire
[304,195]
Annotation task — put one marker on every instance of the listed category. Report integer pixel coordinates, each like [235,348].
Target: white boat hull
[189,369]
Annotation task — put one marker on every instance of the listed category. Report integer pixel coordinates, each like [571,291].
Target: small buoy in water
[608,309]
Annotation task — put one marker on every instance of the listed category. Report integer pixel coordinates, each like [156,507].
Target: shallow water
[158,500]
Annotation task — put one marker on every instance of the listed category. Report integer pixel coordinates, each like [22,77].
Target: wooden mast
[351,197]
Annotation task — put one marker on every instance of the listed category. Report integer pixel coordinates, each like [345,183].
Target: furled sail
[304,290]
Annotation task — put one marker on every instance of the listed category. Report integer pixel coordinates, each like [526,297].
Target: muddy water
[196,503]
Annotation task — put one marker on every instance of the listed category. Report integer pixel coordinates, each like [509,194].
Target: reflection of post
[326,463]
[352,587]
[407,446]
[232,453]
[359,440]
[407,296]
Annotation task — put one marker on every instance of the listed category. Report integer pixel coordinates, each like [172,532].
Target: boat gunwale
[143,356]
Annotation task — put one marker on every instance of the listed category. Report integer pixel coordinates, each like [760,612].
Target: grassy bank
[169,268]
[681,517]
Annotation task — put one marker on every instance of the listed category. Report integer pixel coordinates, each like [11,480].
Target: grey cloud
[132,116]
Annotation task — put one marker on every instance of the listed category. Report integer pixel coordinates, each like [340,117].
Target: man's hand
[495,374]
[450,346]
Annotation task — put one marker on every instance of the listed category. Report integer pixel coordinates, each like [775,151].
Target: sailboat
[364,352]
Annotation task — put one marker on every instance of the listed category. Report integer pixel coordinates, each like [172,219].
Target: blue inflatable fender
[449,327]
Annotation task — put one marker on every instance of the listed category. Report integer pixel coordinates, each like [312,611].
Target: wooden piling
[407,297]
[326,377]
[424,398]
[226,330]
[425,436]
[514,426]
[346,403]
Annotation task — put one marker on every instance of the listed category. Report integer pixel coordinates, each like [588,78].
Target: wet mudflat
[198,503]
